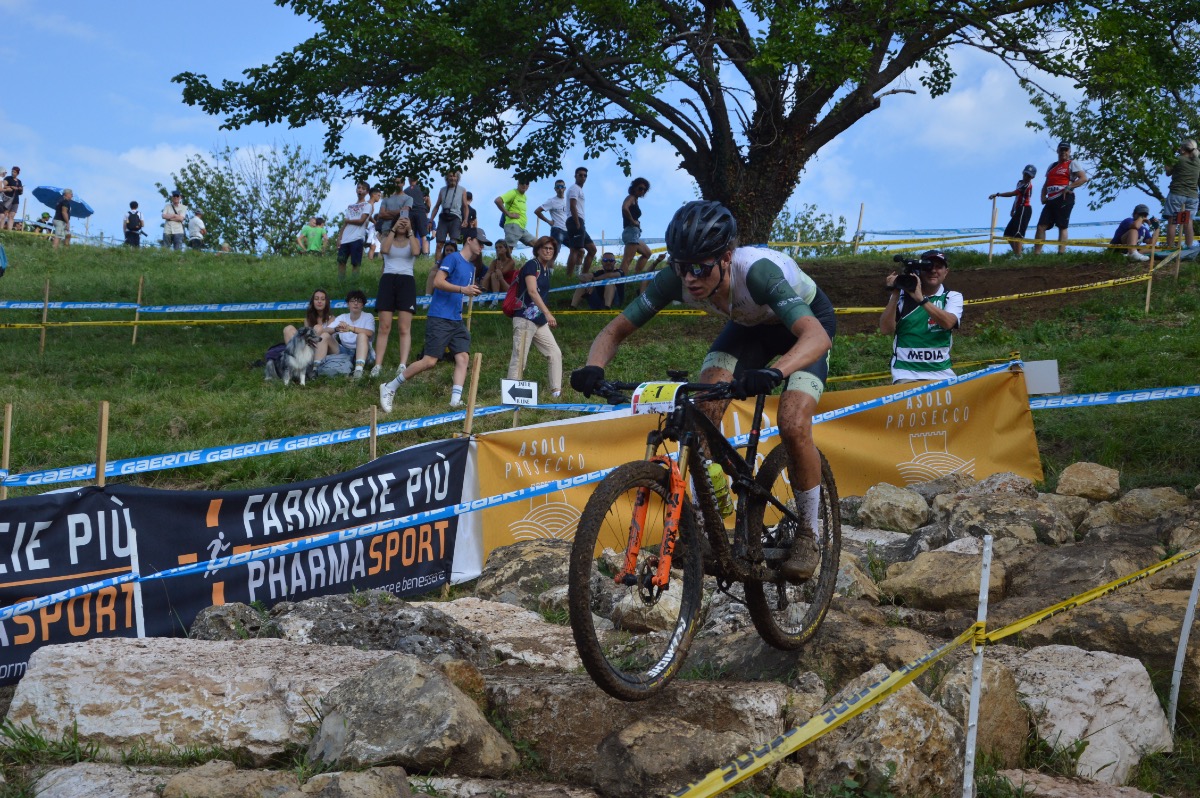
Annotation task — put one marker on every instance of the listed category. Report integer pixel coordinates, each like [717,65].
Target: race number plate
[654,397]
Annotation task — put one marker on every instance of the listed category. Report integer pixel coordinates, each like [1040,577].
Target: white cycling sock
[808,507]
[396,383]
[456,394]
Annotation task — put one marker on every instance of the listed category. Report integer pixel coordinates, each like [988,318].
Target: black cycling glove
[756,381]
[586,379]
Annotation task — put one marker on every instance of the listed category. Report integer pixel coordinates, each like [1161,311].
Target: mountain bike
[653,529]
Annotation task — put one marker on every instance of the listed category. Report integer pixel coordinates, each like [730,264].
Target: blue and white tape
[1115,397]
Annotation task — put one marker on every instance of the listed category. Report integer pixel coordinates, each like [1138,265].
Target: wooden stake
[471,395]
[45,316]
[520,370]
[858,233]
[374,429]
[1150,277]
[6,447]
[102,445]
[470,308]
[138,311]
[992,232]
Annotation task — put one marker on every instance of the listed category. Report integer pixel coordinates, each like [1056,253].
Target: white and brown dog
[297,357]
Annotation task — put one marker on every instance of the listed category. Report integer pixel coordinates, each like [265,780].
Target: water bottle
[720,485]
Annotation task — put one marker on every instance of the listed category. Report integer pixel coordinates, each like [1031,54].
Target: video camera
[912,271]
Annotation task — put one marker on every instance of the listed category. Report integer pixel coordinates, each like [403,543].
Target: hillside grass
[190,386]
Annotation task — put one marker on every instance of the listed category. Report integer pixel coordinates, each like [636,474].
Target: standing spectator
[556,206]
[1182,195]
[372,239]
[534,324]
[353,237]
[922,319]
[1022,209]
[312,236]
[1058,197]
[1138,230]
[62,219]
[132,226]
[631,227]
[472,218]
[397,205]
[174,213]
[196,231]
[419,213]
[352,332]
[450,210]
[12,190]
[514,214]
[397,295]
[579,243]
[444,326]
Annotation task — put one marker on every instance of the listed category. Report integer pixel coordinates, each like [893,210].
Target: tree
[1139,98]
[254,200]
[745,91]
[808,225]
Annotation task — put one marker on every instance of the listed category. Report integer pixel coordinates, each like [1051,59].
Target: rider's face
[704,285]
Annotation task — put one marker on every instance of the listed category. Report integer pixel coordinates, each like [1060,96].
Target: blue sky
[87,103]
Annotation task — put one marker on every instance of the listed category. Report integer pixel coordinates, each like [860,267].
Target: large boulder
[889,507]
[939,580]
[253,697]
[945,484]
[1003,722]
[449,787]
[1089,480]
[1105,700]
[1147,504]
[99,780]
[234,621]
[515,635]
[1007,515]
[907,732]
[404,711]
[1075,508]
[1032,784]
[1005,482]
[219,779]
[520,572]
[1054,574]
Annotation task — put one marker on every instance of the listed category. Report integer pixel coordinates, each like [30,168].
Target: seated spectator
[501,271]
[353,332]
[597,298]
[1136,231]
[318,316]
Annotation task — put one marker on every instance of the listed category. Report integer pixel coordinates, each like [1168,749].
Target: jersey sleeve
[665,288]
[768,286]
[954,304]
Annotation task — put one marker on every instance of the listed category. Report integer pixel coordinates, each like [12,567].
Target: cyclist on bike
[774,309]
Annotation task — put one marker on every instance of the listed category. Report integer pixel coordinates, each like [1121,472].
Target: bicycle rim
[632,641]
[787,615]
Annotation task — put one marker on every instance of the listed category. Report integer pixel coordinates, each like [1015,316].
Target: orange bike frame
[670,535]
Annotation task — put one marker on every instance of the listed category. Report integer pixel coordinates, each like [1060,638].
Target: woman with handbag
[534,323]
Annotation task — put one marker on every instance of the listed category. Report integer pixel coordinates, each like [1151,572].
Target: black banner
[57,541]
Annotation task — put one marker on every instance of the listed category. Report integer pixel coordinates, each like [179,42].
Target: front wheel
[633,638]
[788,615]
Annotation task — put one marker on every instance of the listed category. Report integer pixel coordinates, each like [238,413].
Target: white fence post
[977,673]
[1177,673]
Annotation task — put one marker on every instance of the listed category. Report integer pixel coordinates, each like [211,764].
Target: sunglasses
[696,270]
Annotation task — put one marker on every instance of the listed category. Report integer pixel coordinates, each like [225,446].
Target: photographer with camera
[1139,230]
[922,315]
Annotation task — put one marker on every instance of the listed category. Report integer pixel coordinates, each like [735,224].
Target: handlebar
[613,391]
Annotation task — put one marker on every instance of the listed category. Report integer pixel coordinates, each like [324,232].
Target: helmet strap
[717,287]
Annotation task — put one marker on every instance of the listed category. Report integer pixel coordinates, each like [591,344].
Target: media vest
[921,348]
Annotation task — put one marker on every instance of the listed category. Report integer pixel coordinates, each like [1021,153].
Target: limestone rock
[253,697]
[945,484]
[1054,574]
[516,635]
[1033,784]
[1005,515]
[1002,483]
[889,507]
[405,712]
[789,778]
[633,615]
[487,788]
[1145,504]
[1099,515]
[646,758]
[97,780]
[219,779]
[565,717]
[519,573]
[235,621]
[928,762]
[940,580]
[853,583]
[1003,721]
[1075,508]
[385,782]
[1089,480]
[1104,698]
[850,506]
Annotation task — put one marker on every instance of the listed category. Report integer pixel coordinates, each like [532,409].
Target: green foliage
[806,223]
[253,199]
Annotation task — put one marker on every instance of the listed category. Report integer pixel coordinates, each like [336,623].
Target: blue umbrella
[52,195]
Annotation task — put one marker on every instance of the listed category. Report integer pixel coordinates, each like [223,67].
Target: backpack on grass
[338,365]
[512,300]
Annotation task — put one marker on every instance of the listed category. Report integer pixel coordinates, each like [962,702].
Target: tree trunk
[756,190]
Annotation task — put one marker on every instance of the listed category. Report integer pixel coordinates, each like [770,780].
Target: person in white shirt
[174,213]
[196,230]
[353,237]
[556,206]
[583,249]
[397,294]
[353,331]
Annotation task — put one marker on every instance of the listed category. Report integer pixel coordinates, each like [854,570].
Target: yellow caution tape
[743,767]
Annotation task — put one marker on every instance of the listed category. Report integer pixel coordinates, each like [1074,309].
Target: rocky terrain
[483,695]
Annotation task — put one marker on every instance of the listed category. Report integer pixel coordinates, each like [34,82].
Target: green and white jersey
[765,287]
[921,348]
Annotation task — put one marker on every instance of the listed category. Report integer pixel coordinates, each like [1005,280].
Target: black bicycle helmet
[936,257]
[699,230]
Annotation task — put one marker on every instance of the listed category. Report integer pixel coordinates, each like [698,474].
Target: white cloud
[160,159]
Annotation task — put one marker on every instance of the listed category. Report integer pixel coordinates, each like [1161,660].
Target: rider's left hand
[756,381]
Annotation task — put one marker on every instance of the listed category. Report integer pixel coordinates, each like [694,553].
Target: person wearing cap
[1182,194]
[1022,209]
[922,321]
[1138,230]
[610,295]
[514,214]
[10,191]
[556,206]
[1058,197]
[174,214]
[444,328]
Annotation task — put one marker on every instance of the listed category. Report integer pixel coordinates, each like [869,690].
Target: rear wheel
[633,638]
[788,615]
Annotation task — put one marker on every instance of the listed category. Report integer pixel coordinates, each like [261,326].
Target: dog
[296,359]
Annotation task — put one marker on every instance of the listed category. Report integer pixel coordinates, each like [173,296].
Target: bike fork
[670,535]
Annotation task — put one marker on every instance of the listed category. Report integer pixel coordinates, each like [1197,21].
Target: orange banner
[980,427]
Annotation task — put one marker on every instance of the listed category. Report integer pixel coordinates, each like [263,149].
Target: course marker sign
[518,392]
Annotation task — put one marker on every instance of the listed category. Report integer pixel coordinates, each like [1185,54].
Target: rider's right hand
[586,379]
